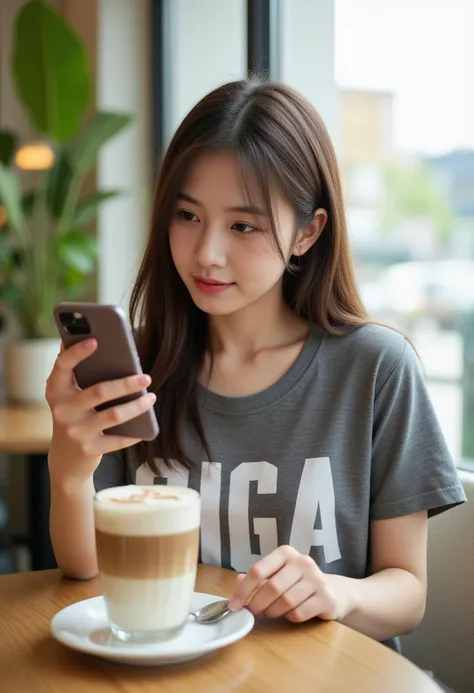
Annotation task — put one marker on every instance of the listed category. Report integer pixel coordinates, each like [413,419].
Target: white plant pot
[28,364]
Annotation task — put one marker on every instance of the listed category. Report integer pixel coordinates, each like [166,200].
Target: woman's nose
[212,248]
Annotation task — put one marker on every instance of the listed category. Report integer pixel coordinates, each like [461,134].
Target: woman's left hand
[287,583]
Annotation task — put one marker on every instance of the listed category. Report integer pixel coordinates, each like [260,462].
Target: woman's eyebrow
[248,209]
[243,209]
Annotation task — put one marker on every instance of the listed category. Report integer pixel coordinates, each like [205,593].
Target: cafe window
[391,79]
[406,150]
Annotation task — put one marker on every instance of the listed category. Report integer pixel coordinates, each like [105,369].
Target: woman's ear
[308,235]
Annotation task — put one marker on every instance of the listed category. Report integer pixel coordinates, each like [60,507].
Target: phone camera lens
[74,323]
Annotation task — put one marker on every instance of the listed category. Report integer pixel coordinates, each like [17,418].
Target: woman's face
[221,247]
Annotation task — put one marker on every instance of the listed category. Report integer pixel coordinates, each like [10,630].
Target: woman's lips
[211,286]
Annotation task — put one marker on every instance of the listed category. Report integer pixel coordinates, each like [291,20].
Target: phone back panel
[115,357]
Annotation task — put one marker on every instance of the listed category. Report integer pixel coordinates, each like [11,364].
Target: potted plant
[47,250]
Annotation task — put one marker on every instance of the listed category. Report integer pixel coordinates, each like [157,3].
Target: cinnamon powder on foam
[145,495]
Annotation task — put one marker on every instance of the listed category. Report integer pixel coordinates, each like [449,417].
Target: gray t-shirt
[346,436]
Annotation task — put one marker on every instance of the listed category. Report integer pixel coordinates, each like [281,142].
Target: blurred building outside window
[406,148]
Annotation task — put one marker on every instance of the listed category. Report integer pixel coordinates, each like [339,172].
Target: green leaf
[87,209]
[70,278]
[10,197]
[11,295]
[5,257]
[60,179]
[50,70]
[28,200]
[78,250]
[75,286]
[98,130]
[411,191]
[7,147]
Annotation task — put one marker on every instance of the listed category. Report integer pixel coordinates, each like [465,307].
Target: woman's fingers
[275,589]
[62,374]
[290,600]
[87,429]
[105,392]
[121,413]
[103,444]
[259,573]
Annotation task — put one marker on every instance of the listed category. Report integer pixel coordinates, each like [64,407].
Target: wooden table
[26,430]
[276,656]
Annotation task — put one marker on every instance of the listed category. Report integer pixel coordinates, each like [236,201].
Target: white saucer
[84,627]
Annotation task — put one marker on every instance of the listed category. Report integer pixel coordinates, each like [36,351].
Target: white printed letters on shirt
[315,492]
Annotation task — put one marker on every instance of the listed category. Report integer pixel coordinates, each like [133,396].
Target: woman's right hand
[78,441]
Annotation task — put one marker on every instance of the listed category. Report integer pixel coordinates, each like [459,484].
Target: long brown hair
[279,140]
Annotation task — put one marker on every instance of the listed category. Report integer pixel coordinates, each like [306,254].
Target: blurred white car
[439,288]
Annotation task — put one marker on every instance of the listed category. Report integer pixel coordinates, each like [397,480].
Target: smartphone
[115,357]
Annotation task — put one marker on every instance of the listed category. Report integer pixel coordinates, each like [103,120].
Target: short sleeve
[111,471]
[411,469]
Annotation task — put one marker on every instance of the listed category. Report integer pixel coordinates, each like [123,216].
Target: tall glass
[147,548]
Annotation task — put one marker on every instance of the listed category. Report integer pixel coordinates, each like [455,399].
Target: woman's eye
[244,228]
[186,216]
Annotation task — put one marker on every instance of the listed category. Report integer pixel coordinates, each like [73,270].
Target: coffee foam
[147,510]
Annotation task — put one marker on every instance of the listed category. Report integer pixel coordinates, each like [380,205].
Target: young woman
[307,429]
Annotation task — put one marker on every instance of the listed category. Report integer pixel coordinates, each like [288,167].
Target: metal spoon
[211,613]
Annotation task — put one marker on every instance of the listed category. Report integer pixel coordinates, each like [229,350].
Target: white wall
[205,45]
[123,84]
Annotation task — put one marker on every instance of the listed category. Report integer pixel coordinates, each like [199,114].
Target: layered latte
[147,547]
